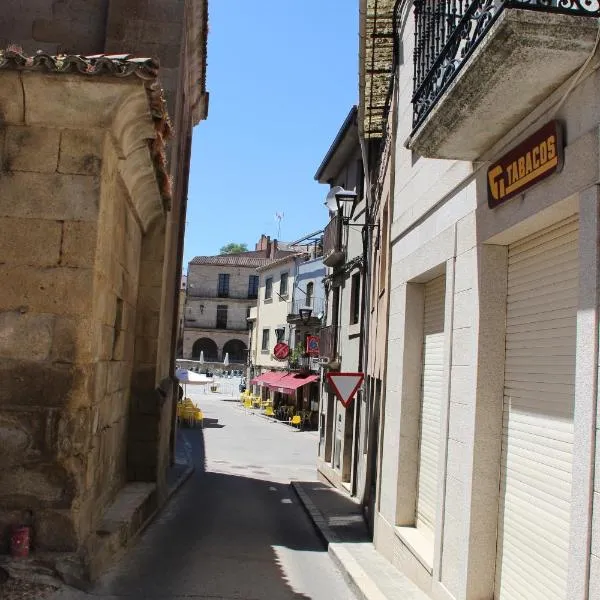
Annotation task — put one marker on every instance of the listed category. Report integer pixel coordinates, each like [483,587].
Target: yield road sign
[345,385]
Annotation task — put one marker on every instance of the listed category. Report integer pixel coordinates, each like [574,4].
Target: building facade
[97,325]
[291,293]
[487,486]
[220,293]
[341,337]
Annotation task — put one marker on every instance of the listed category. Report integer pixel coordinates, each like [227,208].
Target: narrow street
[235,530]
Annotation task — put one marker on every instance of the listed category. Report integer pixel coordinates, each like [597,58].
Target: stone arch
[237,351]
[208,347]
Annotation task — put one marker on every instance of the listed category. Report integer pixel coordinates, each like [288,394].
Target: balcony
[327,340]
[481,66]
[316,304]
[333,253]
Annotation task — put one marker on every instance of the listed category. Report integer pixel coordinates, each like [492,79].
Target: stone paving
[235,530]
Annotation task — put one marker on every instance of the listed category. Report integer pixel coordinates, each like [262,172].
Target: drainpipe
[363,355]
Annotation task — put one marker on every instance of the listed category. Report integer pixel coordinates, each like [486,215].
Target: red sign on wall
[281,351]
[312,345]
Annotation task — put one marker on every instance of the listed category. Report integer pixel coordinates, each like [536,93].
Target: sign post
[345,385]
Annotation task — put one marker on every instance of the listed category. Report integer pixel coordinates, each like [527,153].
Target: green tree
[233,248]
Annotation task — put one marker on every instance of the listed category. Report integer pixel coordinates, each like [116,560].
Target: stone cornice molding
[197,34]
[133,131]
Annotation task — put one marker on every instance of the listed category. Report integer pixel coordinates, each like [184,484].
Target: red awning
[268,378]
[292,381]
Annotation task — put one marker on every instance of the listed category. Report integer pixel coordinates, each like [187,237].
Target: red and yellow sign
[534,159]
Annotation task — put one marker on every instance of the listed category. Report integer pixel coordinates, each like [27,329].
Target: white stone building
[486,480]
[341,339]
[287,285]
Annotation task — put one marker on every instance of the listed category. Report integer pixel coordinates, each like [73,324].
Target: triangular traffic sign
[345,385]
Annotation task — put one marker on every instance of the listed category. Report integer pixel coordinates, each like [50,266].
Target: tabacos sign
[534,159]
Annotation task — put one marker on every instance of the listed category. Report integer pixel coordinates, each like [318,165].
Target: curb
[363,587]
[185,475]
[316,516]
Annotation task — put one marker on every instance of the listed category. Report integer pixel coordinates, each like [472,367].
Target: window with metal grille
[309,293]
[283,284]
[268,288]
[253,286]
[222,316]
[265,340]
[223,287]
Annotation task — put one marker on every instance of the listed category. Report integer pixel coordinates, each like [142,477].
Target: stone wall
[55,26]
[152,28]
[78,309]
[116,269]
[48,212]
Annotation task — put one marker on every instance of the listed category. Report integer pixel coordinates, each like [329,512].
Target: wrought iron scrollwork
[447,32]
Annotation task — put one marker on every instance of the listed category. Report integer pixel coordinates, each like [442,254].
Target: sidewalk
[340,523]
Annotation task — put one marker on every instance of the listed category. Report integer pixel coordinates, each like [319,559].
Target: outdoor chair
[296,421]
[269,411]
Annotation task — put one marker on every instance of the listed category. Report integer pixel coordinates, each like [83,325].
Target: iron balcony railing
[316,304]
[331,237]
[327,337]
[448,31]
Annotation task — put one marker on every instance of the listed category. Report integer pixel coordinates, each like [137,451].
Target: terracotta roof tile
[253,258]
[120,65]
[234,260]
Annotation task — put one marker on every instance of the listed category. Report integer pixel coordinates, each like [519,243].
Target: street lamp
[336,196]
[305,314]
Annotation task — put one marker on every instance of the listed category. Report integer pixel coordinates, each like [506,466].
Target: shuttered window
[431,397]
[537,445]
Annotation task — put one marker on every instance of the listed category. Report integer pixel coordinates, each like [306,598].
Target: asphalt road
[235,530]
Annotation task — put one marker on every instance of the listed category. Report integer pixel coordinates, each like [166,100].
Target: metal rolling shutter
[431,393]
[539,387]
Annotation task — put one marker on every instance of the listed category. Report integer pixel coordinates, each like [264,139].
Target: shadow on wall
[217,537]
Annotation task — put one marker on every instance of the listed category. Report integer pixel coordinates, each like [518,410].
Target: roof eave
[345,129]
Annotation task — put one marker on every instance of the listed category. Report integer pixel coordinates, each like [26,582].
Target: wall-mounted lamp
[305,313]
[337,196]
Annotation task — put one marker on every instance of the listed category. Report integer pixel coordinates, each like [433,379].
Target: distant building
[221,290]
[290,308]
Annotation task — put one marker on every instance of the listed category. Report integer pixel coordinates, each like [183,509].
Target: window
[283,285]
[222,316]
[360,181]
[355,299]
[265,340]
[268,288]
[309,293]
[223,288]
[248,323]
[383,250]
[253,286]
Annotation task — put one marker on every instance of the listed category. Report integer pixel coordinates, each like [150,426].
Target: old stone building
[221,290]
[91,206]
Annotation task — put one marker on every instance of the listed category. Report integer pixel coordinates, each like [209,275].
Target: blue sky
[282,76]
